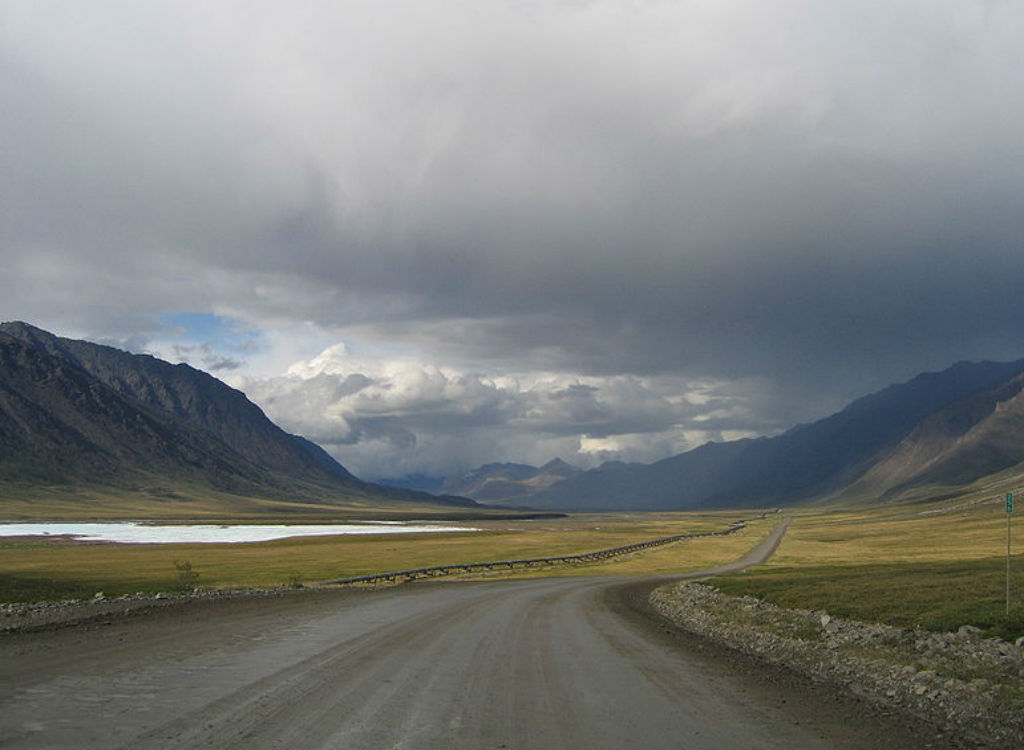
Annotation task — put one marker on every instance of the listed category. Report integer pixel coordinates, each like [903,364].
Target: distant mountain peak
[557,464]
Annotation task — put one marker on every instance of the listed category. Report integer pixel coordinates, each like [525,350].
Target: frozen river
[140,532]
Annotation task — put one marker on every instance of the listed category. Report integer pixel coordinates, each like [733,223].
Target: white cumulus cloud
[393,415]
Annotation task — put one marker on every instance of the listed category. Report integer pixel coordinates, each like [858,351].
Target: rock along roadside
[971,688]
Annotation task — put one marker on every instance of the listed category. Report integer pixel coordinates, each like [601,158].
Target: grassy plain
[201,504]
[932,565]
[33,569]
[908,566]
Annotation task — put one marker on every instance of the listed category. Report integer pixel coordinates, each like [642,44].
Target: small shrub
[187,578]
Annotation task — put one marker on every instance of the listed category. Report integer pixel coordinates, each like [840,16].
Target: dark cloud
[817,198]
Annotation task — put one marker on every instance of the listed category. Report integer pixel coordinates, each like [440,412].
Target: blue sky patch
[220,332]
[212,342]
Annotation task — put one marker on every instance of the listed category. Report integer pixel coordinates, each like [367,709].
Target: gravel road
[543,664]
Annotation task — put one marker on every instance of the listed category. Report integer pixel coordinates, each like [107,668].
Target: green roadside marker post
[1009,515]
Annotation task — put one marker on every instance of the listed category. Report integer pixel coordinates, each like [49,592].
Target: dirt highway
[542,664]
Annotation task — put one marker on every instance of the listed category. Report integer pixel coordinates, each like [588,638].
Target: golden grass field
[916,533]
[201,504]
[57,568]
[933,565]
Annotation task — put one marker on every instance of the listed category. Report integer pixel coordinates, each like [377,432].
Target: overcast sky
[433,234]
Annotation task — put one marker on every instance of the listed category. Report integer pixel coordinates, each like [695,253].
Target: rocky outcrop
[970,687]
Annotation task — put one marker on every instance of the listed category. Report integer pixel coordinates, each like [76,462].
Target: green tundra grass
[907,566]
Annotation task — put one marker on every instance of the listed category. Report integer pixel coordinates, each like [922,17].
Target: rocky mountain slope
[966,441]
[73,412]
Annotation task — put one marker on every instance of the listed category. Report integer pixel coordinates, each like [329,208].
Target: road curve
[757,555]
[543,664]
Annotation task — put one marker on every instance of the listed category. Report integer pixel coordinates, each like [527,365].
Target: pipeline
[443,570]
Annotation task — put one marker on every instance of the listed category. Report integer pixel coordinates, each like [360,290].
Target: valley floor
[542,664]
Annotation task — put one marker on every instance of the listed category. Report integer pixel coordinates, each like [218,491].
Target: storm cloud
[548,225]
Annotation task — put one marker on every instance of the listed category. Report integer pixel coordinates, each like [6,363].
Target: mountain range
[79,414]
[509,483]
[933,435]
[75,414]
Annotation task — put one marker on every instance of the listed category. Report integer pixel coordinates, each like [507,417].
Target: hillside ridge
[946,428]
[75,412]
